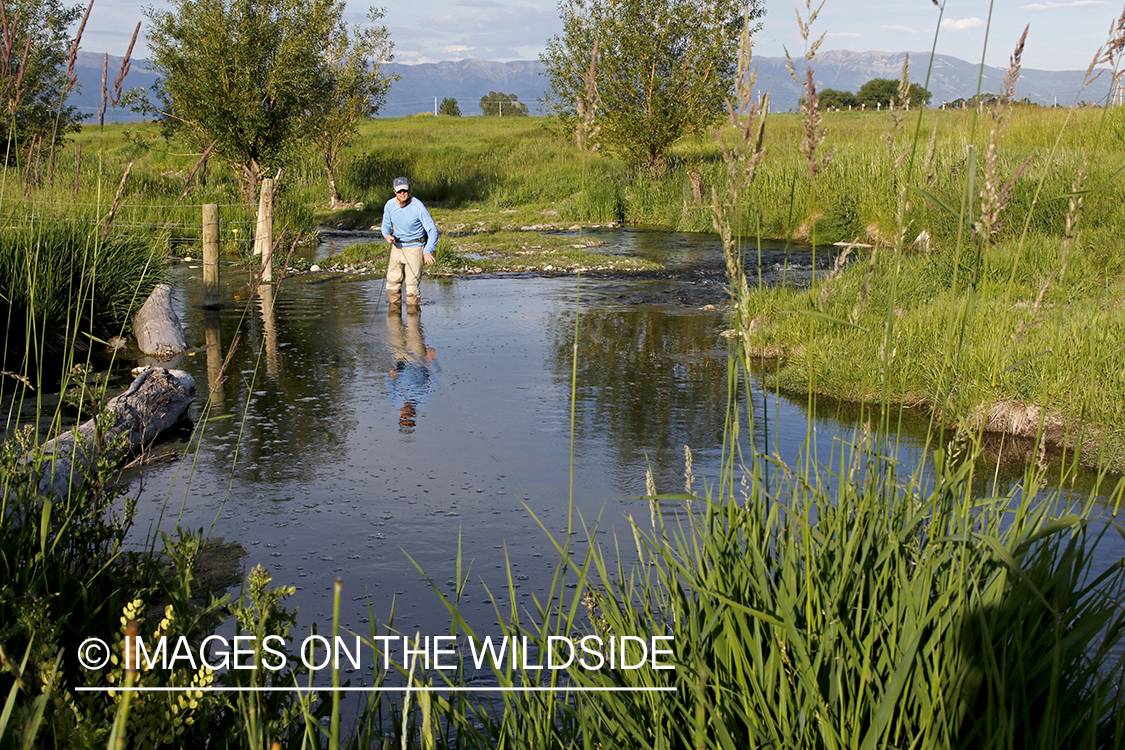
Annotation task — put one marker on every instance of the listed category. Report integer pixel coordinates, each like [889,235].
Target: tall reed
[59,284]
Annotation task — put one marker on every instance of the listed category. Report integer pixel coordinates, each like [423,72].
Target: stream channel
[343,438]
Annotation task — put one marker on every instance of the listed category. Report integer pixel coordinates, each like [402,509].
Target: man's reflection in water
[413,378]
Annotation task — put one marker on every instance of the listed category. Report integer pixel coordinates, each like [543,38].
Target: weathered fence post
[210,255]
[212,332]
[263,237]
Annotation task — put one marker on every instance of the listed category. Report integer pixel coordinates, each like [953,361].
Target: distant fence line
[200,224]
[181,222]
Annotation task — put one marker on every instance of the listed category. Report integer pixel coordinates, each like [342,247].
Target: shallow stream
[341,438]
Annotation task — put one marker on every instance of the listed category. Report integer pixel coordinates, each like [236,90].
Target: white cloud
[413,57]
[961,24]
[843,35]
[1074,4]
[896,30]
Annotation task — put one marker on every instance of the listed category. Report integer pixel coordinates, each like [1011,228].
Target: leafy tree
[664,68]
[882,91]
[502,105]
[245,75]
[449,107]
[36,84]
[833,99]
[358,88]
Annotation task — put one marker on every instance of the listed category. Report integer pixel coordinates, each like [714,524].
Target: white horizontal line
[416,689]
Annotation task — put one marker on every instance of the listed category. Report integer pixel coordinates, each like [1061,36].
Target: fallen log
[158,329]
[156,401]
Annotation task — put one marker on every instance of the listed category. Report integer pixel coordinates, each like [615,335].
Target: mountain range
[421,88]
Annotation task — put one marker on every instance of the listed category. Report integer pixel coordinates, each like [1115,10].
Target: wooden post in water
[263,237]
[210,255]
[269,327]
[212,334]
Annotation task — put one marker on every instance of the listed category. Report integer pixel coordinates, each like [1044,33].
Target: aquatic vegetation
[499,251]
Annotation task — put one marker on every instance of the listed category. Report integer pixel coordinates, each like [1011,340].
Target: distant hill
[468,80]
[420,86]
[950,79]
[88,68]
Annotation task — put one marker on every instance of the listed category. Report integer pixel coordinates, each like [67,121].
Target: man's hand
[428,258]
[390,238]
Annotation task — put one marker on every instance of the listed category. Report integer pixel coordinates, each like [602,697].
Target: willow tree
[244,75]
[358,90]
[36,67]
[664,68]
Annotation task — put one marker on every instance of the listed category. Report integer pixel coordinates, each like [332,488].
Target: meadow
[863,605]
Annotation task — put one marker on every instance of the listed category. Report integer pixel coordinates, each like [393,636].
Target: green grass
[1041,341]
[61,284]
[498,173]
[850,607]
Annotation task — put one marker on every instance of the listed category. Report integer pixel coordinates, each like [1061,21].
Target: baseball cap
[401,184]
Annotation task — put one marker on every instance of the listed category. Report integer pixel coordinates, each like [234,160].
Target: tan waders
[404,265]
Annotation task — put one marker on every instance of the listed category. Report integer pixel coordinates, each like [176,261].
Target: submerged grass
[500,251]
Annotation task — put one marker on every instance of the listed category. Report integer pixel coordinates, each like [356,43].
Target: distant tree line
[987,100]
[878,93]
[497,104]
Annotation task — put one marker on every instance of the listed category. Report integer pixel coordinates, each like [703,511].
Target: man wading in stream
[412,235]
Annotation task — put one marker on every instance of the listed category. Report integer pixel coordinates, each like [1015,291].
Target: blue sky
[1064,33]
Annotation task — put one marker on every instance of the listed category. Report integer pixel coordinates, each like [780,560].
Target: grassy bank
[993,301]
[62,285]
[508,173]
[1037,355]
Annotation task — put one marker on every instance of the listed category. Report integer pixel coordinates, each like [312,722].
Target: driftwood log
[157,327]
[156,400]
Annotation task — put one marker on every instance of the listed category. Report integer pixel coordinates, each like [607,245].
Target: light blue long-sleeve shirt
[410,224]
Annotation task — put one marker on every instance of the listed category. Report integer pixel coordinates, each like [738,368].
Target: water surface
[341,438]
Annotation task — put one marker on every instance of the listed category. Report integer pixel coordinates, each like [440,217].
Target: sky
[1063,35]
